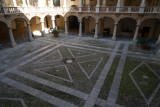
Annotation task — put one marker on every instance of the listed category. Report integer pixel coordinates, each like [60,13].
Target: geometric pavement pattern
[148,101]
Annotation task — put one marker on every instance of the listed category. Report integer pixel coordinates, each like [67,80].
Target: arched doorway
[20,30]
[48,24]
[59,22]
[73,25]
[4,35]
[88,26]
[126,28]
[36,27]
[149,28]
[106,26]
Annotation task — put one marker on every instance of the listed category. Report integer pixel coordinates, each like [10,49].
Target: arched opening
[59,22]
[48,23]
[4,35]
[73,24]
[36,27]
[149,28]
[106,26]
[20,30]
[126,28]
[88,26]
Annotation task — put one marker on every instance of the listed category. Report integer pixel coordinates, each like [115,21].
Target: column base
[96,36]
[114,38]
[43,33]
[31,39]
[80,9]
[158,43]
[66,33]
[134,41]
[80,35]
[14,44]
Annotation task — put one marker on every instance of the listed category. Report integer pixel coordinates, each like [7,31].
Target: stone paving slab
[37,93]
[96,89]
[117,79]
[52,84]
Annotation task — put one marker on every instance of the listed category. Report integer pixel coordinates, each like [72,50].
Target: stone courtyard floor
[71,71]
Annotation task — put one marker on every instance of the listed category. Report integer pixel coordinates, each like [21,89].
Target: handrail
[108,9]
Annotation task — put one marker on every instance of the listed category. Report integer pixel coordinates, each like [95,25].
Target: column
[29,32]
[15,3]
[118,6]
[142,6]
[80,6]
[24,3]
[115,32]
[96,31]
[65,5]
[66,29]
[104,3]
[13,43]
[136,34]
[51,3]
[158,41]
[89,3]
[28,3]
[53,22]
[98,6]
[43,30]
[80,28]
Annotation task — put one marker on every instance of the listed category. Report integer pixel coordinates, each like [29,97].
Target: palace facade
[129,19]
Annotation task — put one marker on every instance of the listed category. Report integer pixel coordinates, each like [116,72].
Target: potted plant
[55,32]
[144,43]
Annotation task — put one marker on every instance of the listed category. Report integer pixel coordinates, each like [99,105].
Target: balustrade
[108,9]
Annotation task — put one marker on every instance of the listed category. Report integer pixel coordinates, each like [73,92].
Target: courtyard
[72,71]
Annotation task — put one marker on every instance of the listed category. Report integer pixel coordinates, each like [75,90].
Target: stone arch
[108,16]
[123,17]
[6,22]
[70,14]
[145,18]
[86,15]
[35,16]
[23,17]
[43,17]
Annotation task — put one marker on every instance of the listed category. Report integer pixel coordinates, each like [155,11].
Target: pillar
[80,28]
[115,32]
[80,6]
[15,3]
[28,3]
[43,30]
[13,43]
[51,3]
[136,34]
[89,5]
[96,31]
[24,3]
[98,6]
[53,22]
[142,6]
[158,41]
[29,32]
[66,28]
[65,5]
[104,3]
[118,6]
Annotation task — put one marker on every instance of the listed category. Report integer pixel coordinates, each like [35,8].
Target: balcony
[109,9]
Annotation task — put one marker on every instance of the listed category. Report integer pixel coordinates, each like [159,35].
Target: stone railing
[109,9]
